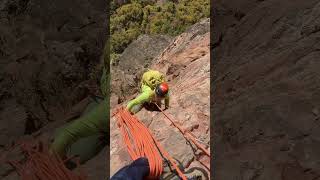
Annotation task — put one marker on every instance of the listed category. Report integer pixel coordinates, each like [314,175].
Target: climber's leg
[83,133]
[87,148]
[136,108]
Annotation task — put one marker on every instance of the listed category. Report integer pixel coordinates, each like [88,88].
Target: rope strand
[187,134]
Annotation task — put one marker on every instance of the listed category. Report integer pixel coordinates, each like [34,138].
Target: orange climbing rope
[144,144]
[187,134]
[39,164]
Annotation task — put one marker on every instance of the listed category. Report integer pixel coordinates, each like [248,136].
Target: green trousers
[85,136]
[149,106]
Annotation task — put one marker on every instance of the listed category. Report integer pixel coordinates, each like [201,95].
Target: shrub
[145,17]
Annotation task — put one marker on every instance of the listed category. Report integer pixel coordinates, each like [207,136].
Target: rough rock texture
[97,167]
[132,63]
[50,53]
[186,64]
[266,90]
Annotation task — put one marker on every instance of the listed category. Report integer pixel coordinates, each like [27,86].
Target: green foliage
[145,17]
[114,58]
[125,26]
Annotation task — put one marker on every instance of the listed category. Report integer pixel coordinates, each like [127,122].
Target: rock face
[186,64]
[97,167]
[266,90]
[132,63]
[50,53]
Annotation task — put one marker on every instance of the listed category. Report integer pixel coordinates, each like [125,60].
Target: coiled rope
[141,143]
[40,164]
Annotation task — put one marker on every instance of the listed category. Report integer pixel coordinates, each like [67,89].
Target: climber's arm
[142,98]
[167,100]
[89,124]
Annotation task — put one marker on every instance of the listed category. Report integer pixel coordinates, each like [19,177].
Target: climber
[153,90]
[88,135]
[139,170]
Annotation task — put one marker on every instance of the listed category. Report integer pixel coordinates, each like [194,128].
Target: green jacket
[94,122]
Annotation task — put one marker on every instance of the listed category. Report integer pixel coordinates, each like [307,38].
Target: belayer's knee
[137,170]
[140,162]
